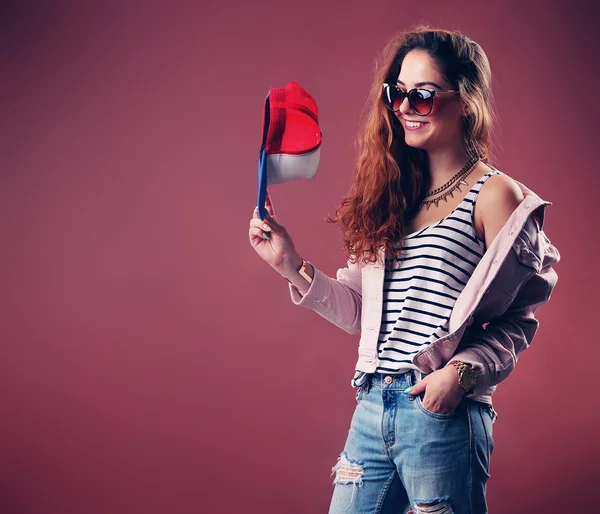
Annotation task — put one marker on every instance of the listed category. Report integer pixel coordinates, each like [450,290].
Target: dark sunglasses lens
[421,100]
[391,98]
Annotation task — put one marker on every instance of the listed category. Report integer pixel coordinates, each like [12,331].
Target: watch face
[468,378]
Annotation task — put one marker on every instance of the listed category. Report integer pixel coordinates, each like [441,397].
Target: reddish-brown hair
[390,176]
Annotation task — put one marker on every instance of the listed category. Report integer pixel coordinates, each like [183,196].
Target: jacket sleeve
[337,300]
[494,350]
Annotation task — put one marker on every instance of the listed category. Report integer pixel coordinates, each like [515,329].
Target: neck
[444,163]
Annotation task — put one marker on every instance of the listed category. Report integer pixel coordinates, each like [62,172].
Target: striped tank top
[421,286]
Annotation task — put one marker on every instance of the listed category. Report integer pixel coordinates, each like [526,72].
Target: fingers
[265,226]
[416,389]
[269,205]
[261,228]
[256,233]
[269,218]
[255,215]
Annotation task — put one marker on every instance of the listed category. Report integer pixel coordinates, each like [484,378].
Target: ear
[466,111]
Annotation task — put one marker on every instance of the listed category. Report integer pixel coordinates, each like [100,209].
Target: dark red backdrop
[140,331]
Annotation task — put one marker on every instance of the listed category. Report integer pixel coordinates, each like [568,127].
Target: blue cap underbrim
[262,161]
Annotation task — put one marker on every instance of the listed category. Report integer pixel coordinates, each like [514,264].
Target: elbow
[353,329]
[352,321]
[503,370]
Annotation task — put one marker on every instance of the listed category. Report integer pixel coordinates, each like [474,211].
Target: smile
[414,125]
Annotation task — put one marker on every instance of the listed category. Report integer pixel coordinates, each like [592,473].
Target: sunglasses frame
[406,94]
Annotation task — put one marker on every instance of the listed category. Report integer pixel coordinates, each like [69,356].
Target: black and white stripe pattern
[420,290]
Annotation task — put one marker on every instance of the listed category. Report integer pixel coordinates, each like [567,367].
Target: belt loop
[418,375]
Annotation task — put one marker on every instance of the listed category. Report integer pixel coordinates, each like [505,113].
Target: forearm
[494,351]
[339,300]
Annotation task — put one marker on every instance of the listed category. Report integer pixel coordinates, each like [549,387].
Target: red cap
[291,141]
[294,121]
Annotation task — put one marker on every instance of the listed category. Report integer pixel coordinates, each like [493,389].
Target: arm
[494,350]
[337,300]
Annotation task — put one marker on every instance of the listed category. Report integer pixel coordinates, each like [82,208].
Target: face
[443,126]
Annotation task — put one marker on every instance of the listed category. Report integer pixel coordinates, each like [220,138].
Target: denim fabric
[398,454]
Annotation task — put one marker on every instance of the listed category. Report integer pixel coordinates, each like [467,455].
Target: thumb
[269,216]
[418,388]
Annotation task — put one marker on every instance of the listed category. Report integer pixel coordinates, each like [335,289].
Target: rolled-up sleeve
[338,300]
[494,350]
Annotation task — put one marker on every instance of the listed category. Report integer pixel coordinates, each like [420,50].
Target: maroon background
[146,348]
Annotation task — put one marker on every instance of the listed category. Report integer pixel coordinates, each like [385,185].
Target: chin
[416,144]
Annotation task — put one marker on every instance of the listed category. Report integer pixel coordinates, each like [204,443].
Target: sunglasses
[419,99]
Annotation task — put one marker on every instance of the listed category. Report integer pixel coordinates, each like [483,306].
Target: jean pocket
[458,411]
[359,393]
[487,409]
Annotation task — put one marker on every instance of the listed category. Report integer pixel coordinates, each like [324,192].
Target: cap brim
[262,183]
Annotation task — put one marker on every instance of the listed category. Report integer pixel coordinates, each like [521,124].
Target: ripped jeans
[400,456]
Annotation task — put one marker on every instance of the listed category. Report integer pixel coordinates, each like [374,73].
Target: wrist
[465,374]
[301,276]
[454,376]
[291,266]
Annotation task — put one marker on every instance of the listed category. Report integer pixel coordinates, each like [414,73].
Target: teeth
[414,124]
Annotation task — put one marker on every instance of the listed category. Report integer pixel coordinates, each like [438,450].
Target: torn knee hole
[436,506]
[348,470]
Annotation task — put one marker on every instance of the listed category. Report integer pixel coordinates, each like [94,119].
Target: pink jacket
[493,319]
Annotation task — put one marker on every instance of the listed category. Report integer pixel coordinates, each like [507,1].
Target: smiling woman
[439,243]
[431,113]
[442,105]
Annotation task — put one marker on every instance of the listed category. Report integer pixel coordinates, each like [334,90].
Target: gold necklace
[458,178]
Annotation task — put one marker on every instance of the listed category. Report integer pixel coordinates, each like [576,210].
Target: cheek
[443,109]
[445,118]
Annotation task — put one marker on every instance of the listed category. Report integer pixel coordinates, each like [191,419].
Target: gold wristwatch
[466,375]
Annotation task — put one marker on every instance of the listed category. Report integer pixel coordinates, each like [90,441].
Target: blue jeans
[399,454]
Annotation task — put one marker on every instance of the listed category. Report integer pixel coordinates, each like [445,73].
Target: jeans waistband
[391,380]
[400,381]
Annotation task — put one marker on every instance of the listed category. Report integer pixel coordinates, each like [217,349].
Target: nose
[405,107]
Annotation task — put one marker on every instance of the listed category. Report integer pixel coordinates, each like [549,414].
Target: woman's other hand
[277,248]
[443,393]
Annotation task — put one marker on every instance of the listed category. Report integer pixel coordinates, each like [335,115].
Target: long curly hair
[390,177]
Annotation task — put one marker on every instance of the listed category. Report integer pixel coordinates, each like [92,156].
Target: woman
[462,247]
